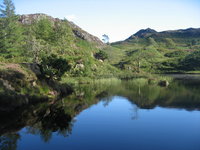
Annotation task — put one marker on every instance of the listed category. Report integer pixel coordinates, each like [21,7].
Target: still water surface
[118,115]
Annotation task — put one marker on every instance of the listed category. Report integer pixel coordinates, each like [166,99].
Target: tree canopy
[7,9]
[10,30]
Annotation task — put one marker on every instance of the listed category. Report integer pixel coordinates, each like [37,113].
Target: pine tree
[7,9]
[10,30]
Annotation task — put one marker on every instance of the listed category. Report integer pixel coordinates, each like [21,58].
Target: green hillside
[41,36]
[158,52]
[62,49]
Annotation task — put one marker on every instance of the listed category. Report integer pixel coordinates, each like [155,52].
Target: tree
[34,48]
[170,43]
[191,62]
[63,37]
[9,141]
[54,67]
[194,42]
[101,55]
[44,30]
[105,39]
[151,42]
[7,9]
[10,30]
[144,59]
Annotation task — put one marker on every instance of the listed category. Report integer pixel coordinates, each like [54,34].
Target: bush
[101,55]
[176,54]
[170,43]
[53,67]
[191,62]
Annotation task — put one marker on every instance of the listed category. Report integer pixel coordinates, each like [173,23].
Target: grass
[193,72]
[155,54]
[160,56]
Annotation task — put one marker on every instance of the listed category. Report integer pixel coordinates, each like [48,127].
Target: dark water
[118,115]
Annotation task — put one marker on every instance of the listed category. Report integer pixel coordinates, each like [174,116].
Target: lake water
[114,114]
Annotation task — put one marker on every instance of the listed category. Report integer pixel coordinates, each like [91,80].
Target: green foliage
[44,30]
[141,60]
[151,42]
[7,9]
[157,53]
[34,42]
[176,54]
[194,42]
[54,67]
[62,30]
[170,43]
[191,62]
[10,30]
[101,55]
[45,37]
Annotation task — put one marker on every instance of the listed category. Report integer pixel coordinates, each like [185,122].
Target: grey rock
[164,83]
[78,32]
[33,67]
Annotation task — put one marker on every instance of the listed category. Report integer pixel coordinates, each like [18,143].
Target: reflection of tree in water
[135,114]
[107,101]
[9,142]
[41,120]
[54,120]
[46,119]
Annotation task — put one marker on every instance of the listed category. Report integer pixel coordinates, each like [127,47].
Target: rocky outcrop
[35,68]
[85,35]
[78,32]
[31,18]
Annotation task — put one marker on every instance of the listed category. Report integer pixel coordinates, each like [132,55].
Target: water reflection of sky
[121,125]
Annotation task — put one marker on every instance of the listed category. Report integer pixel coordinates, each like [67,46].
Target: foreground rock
[164,83]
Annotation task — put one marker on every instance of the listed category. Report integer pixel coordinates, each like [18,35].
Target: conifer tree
[10,30]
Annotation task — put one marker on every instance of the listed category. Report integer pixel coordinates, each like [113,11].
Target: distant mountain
[182,33]
[143,33]
[152,51]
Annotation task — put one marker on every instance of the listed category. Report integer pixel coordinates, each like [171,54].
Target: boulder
[80,66]
[164,83]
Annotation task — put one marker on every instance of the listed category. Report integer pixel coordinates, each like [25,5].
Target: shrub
[101,55]
[176,54]
[191,62]
[54,67]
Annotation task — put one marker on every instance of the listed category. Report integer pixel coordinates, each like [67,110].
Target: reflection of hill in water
[180,94]
[57,116]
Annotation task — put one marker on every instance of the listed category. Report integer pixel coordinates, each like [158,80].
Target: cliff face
[78,32]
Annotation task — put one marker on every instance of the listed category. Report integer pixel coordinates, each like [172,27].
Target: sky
[119,19]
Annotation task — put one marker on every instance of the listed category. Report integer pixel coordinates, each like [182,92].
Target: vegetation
[64,52]
[53,67]
[58,116]
[158,52]
[41,37]
[191,62]
[101,55]
[10,31]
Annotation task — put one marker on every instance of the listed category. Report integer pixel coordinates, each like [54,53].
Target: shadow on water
[46,118]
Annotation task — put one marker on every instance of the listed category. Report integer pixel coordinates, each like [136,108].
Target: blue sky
[118,18]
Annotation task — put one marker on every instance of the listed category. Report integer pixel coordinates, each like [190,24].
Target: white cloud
[71,17]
